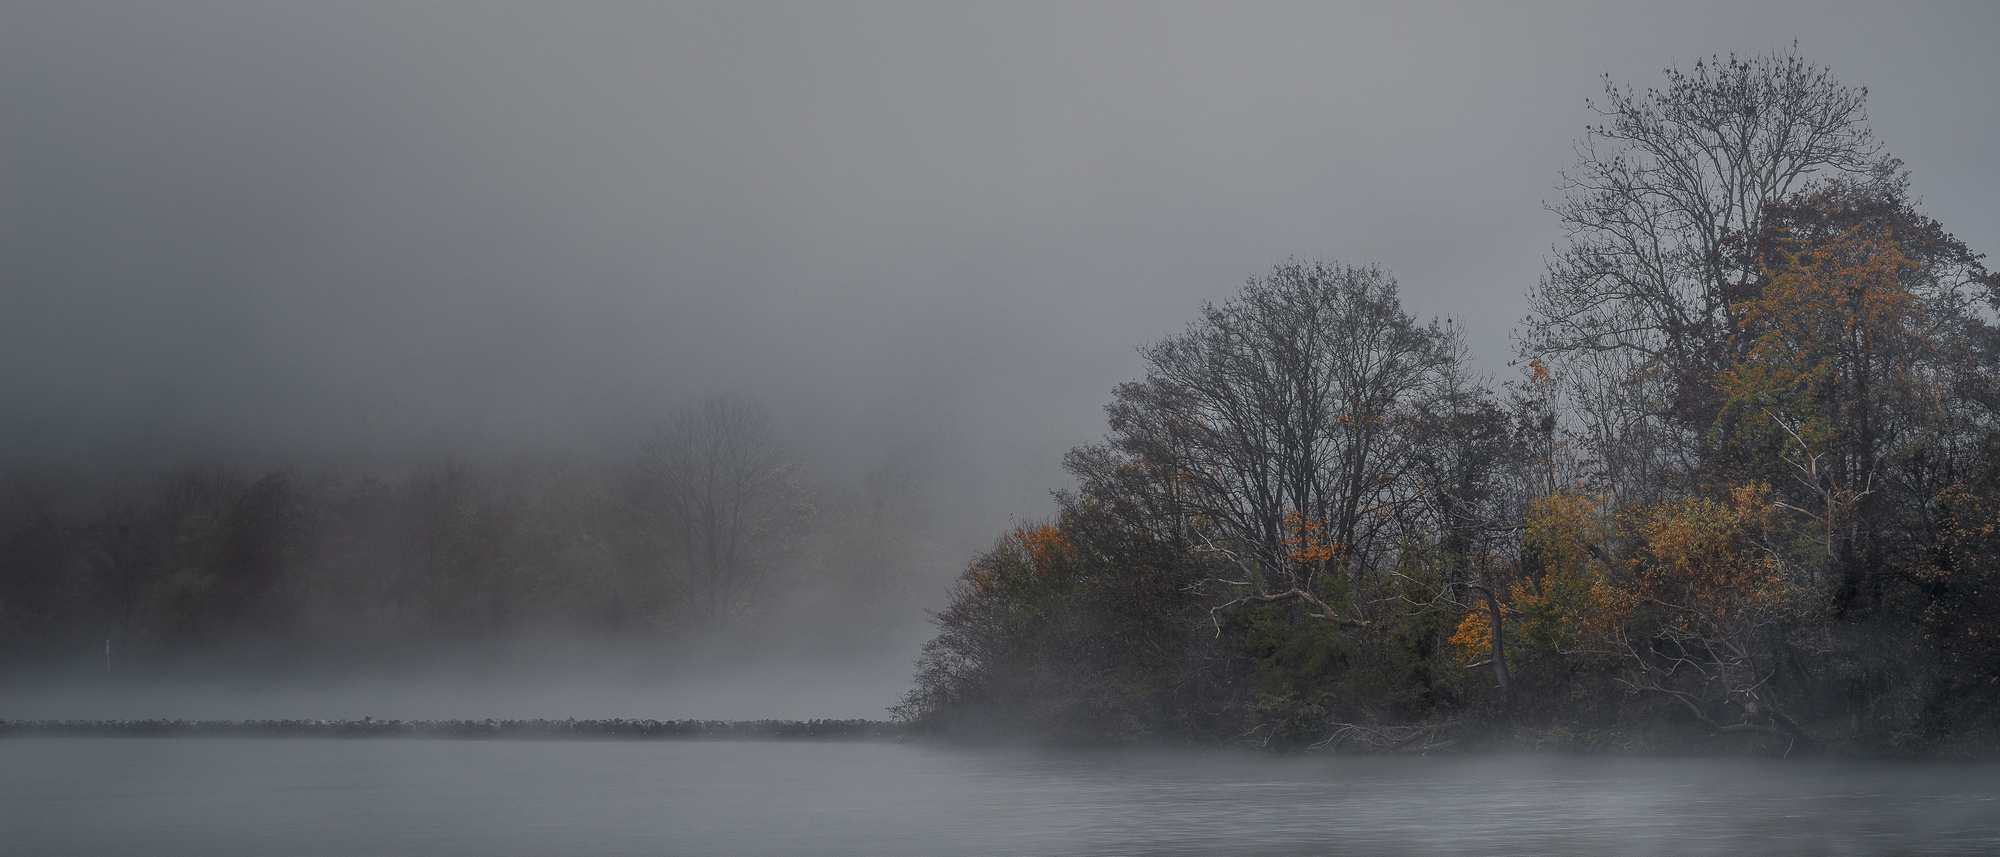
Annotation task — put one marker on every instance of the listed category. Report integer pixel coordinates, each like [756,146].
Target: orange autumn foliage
[1558,590]
[1038,549]
[1473,638]
[1305,542]
[1702,570]
[1045,545]
[1826,333]
[1708,571]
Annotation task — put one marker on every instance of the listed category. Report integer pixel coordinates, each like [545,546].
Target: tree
[1278,457]
[1275,432]
[724,501]
[1865,381]
[1072,630]
[1866,395]
[1646,293]
[992,654]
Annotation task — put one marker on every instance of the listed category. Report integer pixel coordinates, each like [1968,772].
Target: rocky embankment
[848,730]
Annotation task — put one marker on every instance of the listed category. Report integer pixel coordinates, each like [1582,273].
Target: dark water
[391,797]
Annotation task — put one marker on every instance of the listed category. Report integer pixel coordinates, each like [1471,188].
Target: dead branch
[1298,594]
[1293,594]
[1387,739]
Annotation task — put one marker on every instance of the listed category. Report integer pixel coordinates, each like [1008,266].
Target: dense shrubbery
[1748,486]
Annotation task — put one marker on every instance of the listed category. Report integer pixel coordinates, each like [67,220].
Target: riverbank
[1453,738]
[371,728]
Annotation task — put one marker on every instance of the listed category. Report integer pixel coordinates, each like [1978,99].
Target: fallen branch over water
[1355,738]
[372,728]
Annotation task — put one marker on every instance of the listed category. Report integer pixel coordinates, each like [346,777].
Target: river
[292,796]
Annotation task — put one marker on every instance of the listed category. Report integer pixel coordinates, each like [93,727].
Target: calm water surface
[432,797]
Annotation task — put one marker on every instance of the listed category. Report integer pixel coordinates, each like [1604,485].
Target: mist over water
[372,239]
[530,679]
[442,272]
[393,797]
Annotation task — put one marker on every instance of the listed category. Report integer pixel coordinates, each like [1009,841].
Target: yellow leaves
[1474,637]
[1580,593]
[1844,286]
[1828,328]
[1305,543]
[1695,566]
[1606,609]
[1708,564]
[1561,529]
[1700,540]
[1559,590]
[1539,374]
[1563,538]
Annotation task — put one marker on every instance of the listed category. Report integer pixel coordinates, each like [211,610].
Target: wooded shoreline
[489,728]
[1461,738]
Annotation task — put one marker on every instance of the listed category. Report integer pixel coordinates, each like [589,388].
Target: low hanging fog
[497,255]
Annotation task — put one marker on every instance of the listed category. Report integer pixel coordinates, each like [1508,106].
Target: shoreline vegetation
[837,730]
[1457,738]
[1743,496]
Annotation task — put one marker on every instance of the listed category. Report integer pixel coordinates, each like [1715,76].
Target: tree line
[1746,488]
[713,528]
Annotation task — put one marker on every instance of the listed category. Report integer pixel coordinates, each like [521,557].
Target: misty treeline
[1744,493]
[711,530]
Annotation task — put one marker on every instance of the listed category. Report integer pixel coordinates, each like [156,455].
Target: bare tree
[725,501]
[1645,289]
[1276,428]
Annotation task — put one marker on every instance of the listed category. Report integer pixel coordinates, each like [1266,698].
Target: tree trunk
[1494,621]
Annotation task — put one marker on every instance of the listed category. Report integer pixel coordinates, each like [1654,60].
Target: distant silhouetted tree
[724,501]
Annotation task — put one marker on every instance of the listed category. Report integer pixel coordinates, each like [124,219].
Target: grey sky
[359,236]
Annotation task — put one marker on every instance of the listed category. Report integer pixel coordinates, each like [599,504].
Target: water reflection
[251,796]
